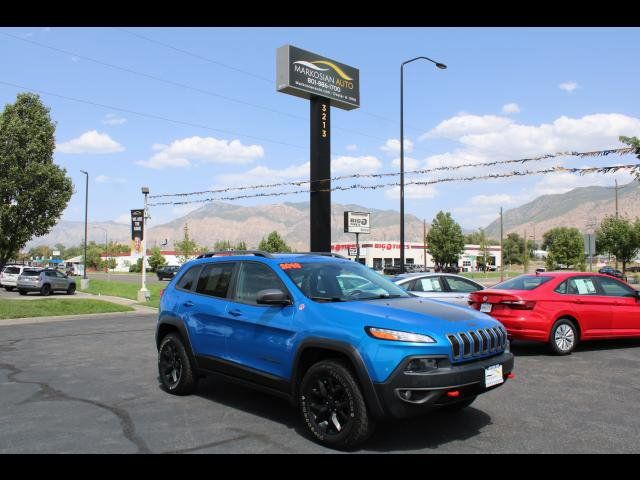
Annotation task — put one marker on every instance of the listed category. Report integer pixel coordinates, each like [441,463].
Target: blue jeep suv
[338,340]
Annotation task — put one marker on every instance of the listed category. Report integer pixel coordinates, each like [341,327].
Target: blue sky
[508,93]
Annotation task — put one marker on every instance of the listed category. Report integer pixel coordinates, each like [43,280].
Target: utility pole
[616,201]
[524,253]
[85,281]
[424,239]
[501,246]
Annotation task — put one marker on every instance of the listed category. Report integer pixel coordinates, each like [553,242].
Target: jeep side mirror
[273,296]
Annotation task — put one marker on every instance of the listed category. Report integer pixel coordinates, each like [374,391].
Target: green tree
[156,259]
[226,245]
[633,142]
[33,190]
[274,243]
[445,240]
[137,267]
[483,244]
[618,237]
[110,263]
[474,238]
[565,246]
[186,248]
[512,249]
[41,251]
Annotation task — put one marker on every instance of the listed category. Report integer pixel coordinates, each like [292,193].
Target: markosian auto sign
[305,74]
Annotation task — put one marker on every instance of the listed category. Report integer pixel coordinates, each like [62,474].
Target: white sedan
[439,286]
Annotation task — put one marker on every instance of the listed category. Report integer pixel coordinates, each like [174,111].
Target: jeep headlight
[384,334]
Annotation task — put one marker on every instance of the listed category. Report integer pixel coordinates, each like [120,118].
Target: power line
[492,176]
[178,84]
[596,153]
[151,115]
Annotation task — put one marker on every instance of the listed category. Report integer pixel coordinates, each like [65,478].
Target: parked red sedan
[562,308]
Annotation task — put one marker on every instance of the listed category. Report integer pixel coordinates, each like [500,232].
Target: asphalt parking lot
[90,386]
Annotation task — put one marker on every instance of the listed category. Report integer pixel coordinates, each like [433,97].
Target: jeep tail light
[162,291]
[519,304]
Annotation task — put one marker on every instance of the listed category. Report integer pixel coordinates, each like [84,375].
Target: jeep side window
[187,280]
[254,277]
[215,279]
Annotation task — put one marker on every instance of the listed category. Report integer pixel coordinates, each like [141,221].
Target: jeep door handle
[235,312]
[188,303]
[578,301]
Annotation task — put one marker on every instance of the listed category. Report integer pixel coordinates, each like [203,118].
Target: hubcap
[329,405]
[170,365]
[564,337]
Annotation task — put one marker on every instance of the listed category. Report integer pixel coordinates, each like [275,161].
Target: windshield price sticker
[288,266]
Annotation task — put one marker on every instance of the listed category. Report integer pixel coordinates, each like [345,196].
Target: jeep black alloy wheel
[170,365]
[174,366]
[333,406]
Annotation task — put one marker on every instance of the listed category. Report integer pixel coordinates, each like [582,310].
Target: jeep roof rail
[324,254]
[257,253]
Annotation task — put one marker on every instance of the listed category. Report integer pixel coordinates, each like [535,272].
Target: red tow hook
[511,375]
[453,393]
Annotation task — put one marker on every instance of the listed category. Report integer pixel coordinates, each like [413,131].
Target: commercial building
[378,255]
[125,260]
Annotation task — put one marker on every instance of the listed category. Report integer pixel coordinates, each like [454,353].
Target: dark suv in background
[168,271]
[613,273]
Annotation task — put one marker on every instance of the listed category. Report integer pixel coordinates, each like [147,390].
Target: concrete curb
[84,316]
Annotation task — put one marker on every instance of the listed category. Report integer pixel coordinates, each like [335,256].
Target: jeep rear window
[11,270]
[523,282]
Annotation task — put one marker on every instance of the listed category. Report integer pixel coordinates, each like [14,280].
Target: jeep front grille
[474,343]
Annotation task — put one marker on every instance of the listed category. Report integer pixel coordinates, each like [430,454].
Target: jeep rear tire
[22,292]
[174,366]
[9,289]
[332,405]
[72,289]
[45,291]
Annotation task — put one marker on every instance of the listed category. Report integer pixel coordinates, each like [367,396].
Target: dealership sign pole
[357,222]
[325,83]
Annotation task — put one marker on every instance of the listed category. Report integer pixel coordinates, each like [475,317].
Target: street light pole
[106,247]
[441,66]
[84,282]
[144,295]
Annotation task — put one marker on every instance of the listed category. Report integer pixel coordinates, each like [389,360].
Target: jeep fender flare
[182,329]
[352,353]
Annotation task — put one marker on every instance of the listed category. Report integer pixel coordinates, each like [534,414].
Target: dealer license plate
[485,307]
[493,376]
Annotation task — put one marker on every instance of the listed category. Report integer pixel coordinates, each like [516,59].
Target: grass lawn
[125,290]
[54,307]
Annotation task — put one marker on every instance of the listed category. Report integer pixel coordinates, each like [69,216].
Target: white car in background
[9,276]
[446,287]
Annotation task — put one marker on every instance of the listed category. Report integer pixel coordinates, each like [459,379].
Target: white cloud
[409,163]
[392,146]
[352,148]
[568,86]
[107,179]
[491,200]
[181,153]
[500,137]
[113,119]
[124,218]
[345,165]
[511,108]
[413,192]
[467,124]
[91,142]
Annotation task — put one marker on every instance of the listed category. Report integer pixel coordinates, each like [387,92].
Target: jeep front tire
[332,405]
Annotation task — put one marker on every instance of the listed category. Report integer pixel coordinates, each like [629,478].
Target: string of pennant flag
[298,183]
[634,168]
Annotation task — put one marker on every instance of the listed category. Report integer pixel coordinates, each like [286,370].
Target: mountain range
[581,207]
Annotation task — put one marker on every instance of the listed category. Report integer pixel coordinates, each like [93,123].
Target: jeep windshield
[340,282]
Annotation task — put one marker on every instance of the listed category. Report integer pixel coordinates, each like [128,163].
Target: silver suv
[45,281]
